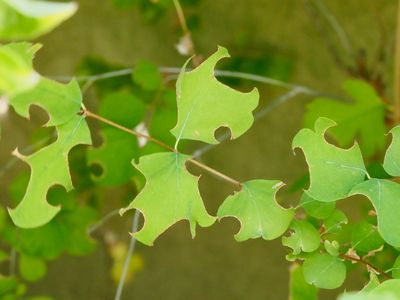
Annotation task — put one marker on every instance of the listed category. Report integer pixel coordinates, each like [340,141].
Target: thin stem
[333,22]
[186,32]
[218,73]
[131,249]
[130,131]
[102,221]
[396,83]
[215,172]
[360,260]
[135,133]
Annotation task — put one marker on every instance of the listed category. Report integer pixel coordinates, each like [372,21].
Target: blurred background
[315,44]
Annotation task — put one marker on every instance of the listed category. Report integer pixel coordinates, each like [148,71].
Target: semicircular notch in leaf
[333,171]
[170,195]
[257,210]
[28,19]
[384,195]
[205,104]
[391,163]
[305,237]
[49,167]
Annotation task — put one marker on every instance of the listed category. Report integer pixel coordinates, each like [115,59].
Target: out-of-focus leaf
[28,19]
[365,116]
[299,288]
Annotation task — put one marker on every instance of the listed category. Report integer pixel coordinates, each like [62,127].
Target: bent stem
[367,264]
[218,174]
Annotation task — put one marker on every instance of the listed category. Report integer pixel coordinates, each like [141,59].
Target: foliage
[137,114]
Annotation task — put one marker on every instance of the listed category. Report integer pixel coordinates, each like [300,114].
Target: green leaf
[299,289]
[123,108]
[7,285]
[333,171]
[391,163]
[332,247]
[16,71]
[61,101]
[28,19]
[205,104]
[171,194]
[372,283]
[365,237]
[387,290]
[335,221]
[396,268]
[384,195]
[116,169]
[315,208]
[32,268]
[257,210]
[49,167]
[304,238]
[364,117]
[147,75]
[324,271]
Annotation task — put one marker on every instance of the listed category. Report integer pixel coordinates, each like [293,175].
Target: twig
[87,113]
[186,33]
[218,73]
[102,221]
[333,22]
[360,260]
[396,83]
[131,249]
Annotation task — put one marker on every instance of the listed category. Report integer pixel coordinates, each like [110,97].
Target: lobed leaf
[333,171]
[305,237]
[257,210]
[384,195]
[205,104]
[170,195]
[391,163]
[315,208]
[363,117]
[28,19]
[61,101]
[49,167]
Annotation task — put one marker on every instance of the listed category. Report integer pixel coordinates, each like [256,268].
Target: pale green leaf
[365,237]
[49,167]
[335,221]
[299,289]
[396,268]
[392,156]
[147,75]
[61,101]
[332,247]
[16,71]
[333,171]
[205,104]
[315,208]
[324,271]
[257,210]
[28,19]
[384,195]
[305,237]
[31,268]
[363,117]
[170,195]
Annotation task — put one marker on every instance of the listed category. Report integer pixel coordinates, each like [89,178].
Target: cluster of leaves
[51,221]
